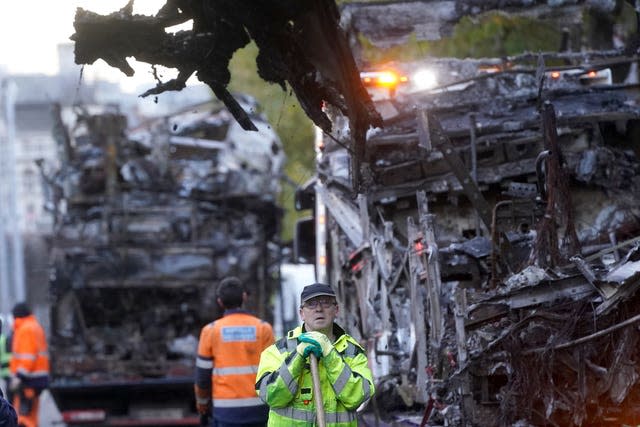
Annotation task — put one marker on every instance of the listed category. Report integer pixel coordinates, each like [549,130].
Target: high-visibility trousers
[26,403]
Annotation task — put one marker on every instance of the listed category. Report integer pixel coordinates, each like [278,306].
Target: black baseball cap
[21,309]
[316,290]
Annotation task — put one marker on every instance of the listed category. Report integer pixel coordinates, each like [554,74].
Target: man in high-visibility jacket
[29,364]
[284,379]
[228,355]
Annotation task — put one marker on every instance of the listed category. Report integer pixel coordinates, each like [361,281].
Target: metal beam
[344,213]
[441,142]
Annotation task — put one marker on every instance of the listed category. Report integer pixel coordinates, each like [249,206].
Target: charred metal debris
[300,43]
[147,221]
[493,265]
[491,258]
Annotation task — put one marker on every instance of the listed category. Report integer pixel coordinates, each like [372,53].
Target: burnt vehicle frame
[484,229]
[148,220]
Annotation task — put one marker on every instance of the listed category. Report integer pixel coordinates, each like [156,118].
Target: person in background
[8,416]
[284,379]
[228,355]
[29,364]
[5,357]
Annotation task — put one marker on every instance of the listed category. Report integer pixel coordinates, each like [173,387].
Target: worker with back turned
[29,364]
[228,355]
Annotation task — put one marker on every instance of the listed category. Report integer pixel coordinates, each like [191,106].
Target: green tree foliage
[497,34]
[289,121]
[492,35]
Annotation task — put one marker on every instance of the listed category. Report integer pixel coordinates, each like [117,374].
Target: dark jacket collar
[234,311]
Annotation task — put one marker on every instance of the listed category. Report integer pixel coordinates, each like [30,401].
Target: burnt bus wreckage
[492,264]
[148,221]
[484,236]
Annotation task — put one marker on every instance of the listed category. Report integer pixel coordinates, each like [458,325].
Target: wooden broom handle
[317,391]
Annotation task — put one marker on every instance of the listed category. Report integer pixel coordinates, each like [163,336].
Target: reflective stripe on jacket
[284,382]
[5,357]
[228,356]
[29,357]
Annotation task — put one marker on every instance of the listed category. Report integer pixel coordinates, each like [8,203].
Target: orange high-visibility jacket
[228,356]
[29,357]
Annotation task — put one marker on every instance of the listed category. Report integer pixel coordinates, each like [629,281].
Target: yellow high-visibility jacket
[5,357]
[284,382]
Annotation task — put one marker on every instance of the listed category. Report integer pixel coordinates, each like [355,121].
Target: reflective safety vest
[29,357]
[284,382]
[228,356]
[5,357]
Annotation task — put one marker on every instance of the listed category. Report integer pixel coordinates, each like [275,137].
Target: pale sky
[30,31]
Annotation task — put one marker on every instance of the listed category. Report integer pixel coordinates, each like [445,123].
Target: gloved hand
[14,383]
[305,348]
[317,339]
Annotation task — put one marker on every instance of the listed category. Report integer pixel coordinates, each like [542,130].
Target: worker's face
[318,313]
